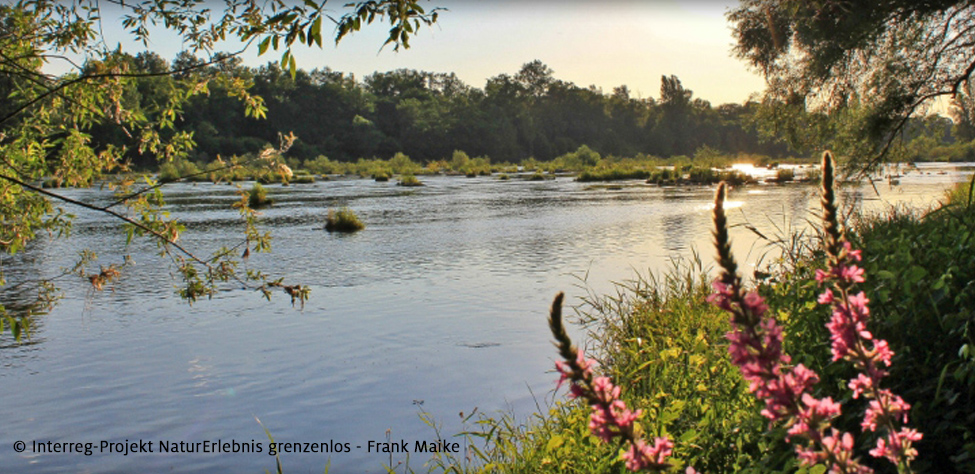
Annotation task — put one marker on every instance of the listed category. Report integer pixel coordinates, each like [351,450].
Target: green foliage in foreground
[924,296]
[343,220]
[665,346]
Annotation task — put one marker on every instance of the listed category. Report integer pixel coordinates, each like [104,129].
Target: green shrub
[302,179]
[322,165]
[343,220]
[401,164]
[583,158]
[168,172]
[923,302]
[701,175]
[459,160]
[176,170]
[662,176]
[409,180]
[257,197]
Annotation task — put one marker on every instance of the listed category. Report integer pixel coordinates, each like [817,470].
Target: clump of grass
[783,175]
[343,220]
[503,176]
[662,176]
[303,179]
[257,197]
[409,180]
[702,175]
[380,176]
[537,176]
[612,174]
[735,177]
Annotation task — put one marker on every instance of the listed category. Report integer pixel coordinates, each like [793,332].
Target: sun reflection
[727,205]
[757,172]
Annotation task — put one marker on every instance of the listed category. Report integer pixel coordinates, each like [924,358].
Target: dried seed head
[831,226]
[722,242]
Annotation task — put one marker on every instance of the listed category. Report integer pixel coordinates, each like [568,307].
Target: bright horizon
[605,44]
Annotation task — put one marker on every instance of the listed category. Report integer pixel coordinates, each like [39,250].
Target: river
[439,305]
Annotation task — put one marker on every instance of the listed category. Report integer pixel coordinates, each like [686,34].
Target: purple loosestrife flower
[756,348]
[610,417]
[853,342]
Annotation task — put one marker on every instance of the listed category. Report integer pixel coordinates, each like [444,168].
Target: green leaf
[262,47]
[316,32]
[292,66]
[554,443]
[915,274]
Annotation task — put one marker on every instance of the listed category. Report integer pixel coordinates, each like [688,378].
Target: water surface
[438,305]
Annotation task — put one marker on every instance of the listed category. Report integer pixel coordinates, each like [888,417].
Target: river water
[439,305]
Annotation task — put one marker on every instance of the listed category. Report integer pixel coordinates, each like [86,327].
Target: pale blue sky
[606,44]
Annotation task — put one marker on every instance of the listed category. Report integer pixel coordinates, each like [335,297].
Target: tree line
[427,115]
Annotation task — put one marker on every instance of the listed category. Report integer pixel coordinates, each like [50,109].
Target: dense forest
[429,115]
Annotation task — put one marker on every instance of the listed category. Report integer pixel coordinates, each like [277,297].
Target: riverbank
[664,345]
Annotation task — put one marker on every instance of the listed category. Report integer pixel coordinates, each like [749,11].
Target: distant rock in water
[478,345]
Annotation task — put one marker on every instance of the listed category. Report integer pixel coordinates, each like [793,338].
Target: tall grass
[409,180]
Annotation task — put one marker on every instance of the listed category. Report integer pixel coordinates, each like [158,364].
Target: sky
[601,43]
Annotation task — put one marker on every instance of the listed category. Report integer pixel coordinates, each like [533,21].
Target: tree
[47,122]
[963,113]
[884,60]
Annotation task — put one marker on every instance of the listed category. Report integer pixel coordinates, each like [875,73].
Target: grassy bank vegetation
[665,346]
[707,166]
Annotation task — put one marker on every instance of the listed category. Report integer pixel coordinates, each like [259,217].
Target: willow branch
[123,217]
[55,90]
